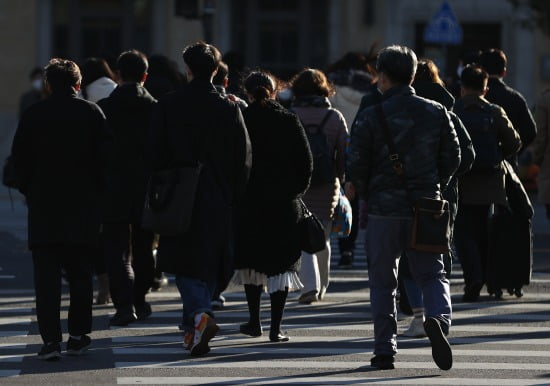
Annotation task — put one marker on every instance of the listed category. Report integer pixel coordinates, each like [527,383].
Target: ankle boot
[253,296]
[278,300]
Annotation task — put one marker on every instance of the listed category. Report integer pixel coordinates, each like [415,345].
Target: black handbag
[170,200]
[312,231]
[431,230]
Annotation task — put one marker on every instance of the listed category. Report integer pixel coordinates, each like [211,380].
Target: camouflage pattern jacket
[426,142]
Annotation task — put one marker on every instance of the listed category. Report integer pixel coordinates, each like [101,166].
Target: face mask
[37,84]
[459,70]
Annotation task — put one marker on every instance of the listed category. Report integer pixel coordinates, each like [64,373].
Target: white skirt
[271,284]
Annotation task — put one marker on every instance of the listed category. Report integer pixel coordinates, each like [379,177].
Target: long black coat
[267,238]
[128,110]
[59,157]
[193,123]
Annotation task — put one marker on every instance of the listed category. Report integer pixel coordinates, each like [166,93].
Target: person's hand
[349,190]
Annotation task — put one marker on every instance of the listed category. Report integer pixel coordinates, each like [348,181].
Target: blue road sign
[444,28]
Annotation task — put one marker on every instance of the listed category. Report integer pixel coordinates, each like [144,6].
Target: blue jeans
[195,295]
[386,240]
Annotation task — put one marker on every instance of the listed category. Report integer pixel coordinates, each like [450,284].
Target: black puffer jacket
[424,137]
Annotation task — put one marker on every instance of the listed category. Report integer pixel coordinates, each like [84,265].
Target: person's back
[191,126]
[514,104]
[59,157]
[424,155]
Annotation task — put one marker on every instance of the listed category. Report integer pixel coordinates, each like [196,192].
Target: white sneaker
[416,329]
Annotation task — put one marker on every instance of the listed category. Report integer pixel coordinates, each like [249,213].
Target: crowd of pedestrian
[381,129]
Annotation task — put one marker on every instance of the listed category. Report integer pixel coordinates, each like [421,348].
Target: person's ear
[225,82]
[77,87]
[144,77]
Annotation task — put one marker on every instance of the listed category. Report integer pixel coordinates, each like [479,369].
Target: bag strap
[321,125]
[397,164]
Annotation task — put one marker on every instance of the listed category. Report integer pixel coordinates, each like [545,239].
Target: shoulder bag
[312,232]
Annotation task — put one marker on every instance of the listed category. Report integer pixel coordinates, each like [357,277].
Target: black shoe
[123,318]
[78,346]
[143,311]
[251,330]
[471,292]
[441,349]
[278,337]
[218,303]
[50,352]
[383,362]
[159,282]
[346,260]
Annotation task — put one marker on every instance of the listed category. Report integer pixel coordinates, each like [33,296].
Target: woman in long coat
[311,90]
[267,239]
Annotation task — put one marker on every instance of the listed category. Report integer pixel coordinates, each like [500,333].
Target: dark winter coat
[267,238]
[481,187]
[59,154]
[128,110]
[515,107]
[426,141]
[193,123]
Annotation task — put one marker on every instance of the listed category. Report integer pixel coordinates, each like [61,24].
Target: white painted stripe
[9,373]
[7,276]
[221,363]
[17,300]
[5,334]
[6,321]
[327,380]
[12,346]
[15,310]
[321,351]
[347,327]
[234,339]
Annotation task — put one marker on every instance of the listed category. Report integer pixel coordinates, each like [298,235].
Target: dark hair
[202,59]
[261,85]
[221,75]
[470,57]
[61,74]
[398,63]
[95,68]
[427,71]
[311,81]
[493,61]
[350,61]
[474,77]
[132,65]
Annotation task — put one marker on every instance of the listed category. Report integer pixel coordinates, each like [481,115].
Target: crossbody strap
[397,164]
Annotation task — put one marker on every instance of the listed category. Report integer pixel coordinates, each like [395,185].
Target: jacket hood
[435,92]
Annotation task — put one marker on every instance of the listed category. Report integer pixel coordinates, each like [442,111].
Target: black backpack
[479,123]
[323,157]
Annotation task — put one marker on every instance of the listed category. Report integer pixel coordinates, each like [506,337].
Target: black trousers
[128,252]
[471,236]
[77,263]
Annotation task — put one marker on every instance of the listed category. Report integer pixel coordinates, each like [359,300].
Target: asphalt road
[503,342]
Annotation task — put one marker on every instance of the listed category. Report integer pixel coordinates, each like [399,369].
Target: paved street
[495,342]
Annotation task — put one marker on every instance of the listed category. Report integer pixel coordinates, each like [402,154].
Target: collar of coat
[402,90]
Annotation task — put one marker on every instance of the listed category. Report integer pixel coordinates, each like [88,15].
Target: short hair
[221,75]
[202,59]
[132,65]
[62,74]
[311,81]
[261,85]
[427,71]
[493,61]
[398,63]
[474,77]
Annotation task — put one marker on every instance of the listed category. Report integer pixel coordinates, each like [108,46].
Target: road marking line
[7,277]
[12,358]
[327,380]
[294,364]
[12,346]
[12,320]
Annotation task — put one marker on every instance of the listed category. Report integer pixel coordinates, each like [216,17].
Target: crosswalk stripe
[12,320]
[5,334]
[12,346]
[4,300]
[321,351]
[221,363]
[12,358]
[9,373]
[326,380]
[7,276]
[233,339]
[15,310]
